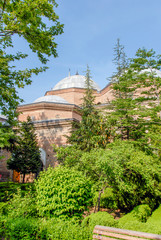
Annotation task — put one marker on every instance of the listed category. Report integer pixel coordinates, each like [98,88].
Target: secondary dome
[51,98]
[75,81]
[156,72]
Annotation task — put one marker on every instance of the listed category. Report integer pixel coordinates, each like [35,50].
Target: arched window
[43,157]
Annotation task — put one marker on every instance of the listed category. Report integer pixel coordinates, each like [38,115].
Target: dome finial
[77,73]
[69,72]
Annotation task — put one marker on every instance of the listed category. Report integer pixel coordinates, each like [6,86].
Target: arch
[43,156]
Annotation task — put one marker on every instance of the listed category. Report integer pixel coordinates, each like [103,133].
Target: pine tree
[25,154]
[91,131]
[135,111]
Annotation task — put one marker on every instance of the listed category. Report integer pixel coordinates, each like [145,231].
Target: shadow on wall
[49,132]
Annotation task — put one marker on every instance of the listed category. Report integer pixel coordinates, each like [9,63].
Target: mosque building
[53,113]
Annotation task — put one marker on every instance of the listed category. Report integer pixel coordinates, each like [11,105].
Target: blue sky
[91,29]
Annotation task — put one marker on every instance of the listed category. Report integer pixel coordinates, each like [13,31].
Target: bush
[156,216]
[21,206]
[133,175]
[7,189]
[108,199]
[139,213]
[22,228]
[56,229]
[99,218]
[135,220]
[62,192]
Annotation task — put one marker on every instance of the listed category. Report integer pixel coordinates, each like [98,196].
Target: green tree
[25,154]
[62,193]
[91,131]
[36,22]
[136,106]
[134,175]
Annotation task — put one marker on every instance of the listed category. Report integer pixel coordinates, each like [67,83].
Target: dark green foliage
[136,107]
[91,132]
[99,218]
[62,192]
[25,154]
[7,189]
[134,176]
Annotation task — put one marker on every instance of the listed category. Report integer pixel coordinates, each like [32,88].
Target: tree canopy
[36,22]
[25,156]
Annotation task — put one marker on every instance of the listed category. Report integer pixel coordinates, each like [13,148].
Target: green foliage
[136,108]
[22,228]
[7,189]
[91,132]
[37,22]
[135,220]
[62,192]
[99,218]
[139,213]
[22,206]
[68,155]
[55,229]
[108,199]
[133,175]
[27,19]
[6,134]
[156,217]
[25,154]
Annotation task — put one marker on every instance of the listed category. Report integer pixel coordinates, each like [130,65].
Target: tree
[120,60]
[133,174]
[62,193]
[35,21]
[136,107]
[91,131]
[25,154]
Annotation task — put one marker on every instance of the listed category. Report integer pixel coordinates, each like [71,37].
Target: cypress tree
[25,154]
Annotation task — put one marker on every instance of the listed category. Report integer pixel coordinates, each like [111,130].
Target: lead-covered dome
[51,98]
[75,81]
[156,72]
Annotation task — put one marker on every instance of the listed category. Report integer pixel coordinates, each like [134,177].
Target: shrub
[56,229]
[22,228]
[21,206]
[133,175]
[99,218]
[62,192]
[156,216]
[108,199]
[139,213]
[135,220]
[7,189]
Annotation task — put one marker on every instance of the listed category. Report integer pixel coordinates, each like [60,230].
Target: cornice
[49,106]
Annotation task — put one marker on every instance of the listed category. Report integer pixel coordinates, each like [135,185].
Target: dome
[51,98]
[75,81]
[156,72]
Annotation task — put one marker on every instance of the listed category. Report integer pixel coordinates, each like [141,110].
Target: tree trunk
[99,200]
[24,177]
